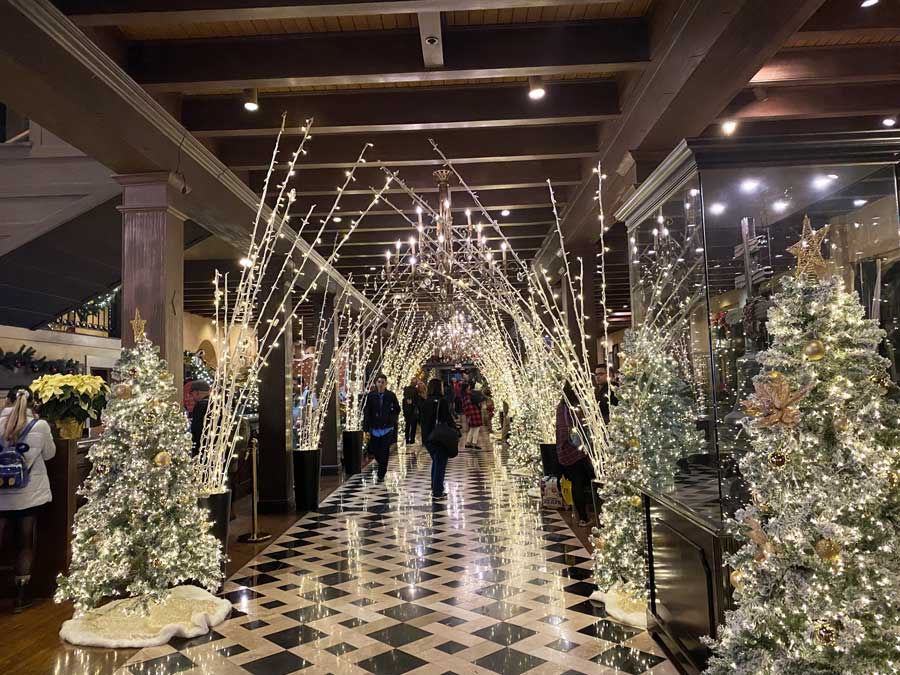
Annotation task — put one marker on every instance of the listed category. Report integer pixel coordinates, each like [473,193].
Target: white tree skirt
[622,607]
[187,611]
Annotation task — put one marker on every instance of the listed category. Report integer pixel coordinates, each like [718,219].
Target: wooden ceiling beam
[512,199]
[367,112]
[396,149]
[388,237]
[797,103]
[327,180]
[216,65]
[831,65]
[841,16]
[180,12]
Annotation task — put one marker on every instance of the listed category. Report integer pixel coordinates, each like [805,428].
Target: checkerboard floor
[382,580]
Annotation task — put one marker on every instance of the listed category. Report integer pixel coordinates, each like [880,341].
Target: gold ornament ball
[122,390]
[825,633]
[162,458]
[840,424]
[635,501]
[737,579]
[777,459]
[633,442]
[828,549]
[776,375]
[893,479]
[814,350]
[599,542]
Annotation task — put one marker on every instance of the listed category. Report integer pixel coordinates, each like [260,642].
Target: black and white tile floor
[381,580]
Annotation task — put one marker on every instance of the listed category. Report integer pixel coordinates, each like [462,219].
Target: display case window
[722,216]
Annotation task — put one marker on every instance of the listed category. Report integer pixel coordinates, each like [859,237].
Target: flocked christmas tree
[141,530]
[817,580]
[651,428]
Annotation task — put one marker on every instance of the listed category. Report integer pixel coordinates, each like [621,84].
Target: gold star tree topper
[137,325]
[808,250]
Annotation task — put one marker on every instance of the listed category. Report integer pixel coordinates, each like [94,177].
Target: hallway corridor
[381,580]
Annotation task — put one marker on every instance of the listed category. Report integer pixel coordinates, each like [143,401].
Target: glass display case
[709,234]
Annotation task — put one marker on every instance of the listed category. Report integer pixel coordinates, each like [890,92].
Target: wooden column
[153,263]
[276,432]
[331,432]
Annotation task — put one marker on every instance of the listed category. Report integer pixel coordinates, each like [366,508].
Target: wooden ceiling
[365,71]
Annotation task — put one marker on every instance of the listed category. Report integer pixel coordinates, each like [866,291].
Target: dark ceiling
[364,69]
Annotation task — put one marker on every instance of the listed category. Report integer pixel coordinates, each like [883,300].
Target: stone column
[153,263]
[276,429]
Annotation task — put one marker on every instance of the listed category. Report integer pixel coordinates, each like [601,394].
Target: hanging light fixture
[536,90]
[251,100]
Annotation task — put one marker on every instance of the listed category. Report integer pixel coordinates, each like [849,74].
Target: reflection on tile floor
[380,580]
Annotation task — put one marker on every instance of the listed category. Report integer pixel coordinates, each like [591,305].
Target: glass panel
[667,258]
[751,217]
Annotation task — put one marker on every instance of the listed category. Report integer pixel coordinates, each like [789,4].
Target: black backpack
[444,436]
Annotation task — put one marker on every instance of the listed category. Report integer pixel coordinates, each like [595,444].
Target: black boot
[23,601]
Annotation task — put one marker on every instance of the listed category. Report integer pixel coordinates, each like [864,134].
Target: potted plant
[70,400]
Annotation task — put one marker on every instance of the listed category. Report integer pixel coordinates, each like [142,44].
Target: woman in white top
[18,506]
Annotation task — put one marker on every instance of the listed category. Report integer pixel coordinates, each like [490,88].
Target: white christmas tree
[651,428]
[817,580]
[141,531]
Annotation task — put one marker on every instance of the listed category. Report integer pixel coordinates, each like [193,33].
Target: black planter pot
[549,461]
[598,502]
[353,452]
[307,470]
[219,508]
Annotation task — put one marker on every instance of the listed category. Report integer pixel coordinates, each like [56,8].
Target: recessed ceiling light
[889,121]
[536,90]
[860,202]
[779,206]
[821,182]
[729,127]
[749,185]
[717,208]
[694,192]
[504,212]
[869,3]
[251,100]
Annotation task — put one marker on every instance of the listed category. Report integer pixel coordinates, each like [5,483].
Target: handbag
[14,472]
[444,436]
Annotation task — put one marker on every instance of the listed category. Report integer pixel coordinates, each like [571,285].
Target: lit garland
[261,307]
[816,580]
[141,530]
[654,423]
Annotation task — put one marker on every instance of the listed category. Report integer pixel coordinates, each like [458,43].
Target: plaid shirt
[566,453]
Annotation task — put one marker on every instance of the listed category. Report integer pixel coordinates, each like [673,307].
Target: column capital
[151,191]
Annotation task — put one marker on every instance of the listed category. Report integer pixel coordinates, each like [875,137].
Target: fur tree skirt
[622,607]
[187,611]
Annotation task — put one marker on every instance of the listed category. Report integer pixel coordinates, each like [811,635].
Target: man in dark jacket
[411,409]
[200,396]
[380,415]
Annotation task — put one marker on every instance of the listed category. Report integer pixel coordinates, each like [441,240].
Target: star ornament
[137,325]
[808,250]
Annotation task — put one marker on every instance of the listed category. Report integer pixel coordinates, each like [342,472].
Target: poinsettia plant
[79,397]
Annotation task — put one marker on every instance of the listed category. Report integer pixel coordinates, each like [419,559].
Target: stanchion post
[255,536]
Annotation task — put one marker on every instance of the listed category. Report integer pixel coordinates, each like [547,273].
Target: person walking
[20,506]
[435,409]
[200,397]
[472,411]
[574,462]
[380,415]
[411,409]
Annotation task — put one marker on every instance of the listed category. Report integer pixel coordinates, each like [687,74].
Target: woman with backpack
[27,443]
[435,409]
